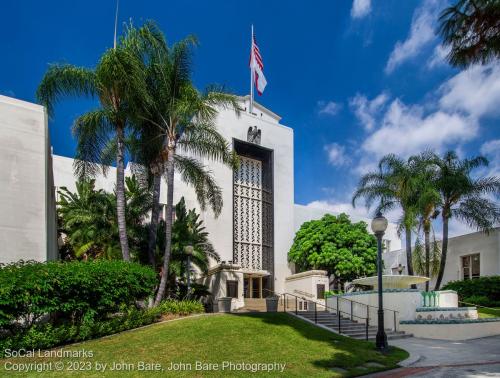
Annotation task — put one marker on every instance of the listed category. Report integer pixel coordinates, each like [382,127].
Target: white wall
[488,247]
[27,222]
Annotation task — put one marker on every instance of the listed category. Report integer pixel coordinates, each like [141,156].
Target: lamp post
[379,225]
[188,250]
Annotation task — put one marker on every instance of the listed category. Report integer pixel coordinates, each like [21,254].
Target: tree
[472,29]
[118,81]
[188,230]
[88,219]
[180,123]
[464,197]
[393,185]
[337,245]
[427,202]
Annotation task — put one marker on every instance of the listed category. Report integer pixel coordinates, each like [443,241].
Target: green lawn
[488,312]
[306,351]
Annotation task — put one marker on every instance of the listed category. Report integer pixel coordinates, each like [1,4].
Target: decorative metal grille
[247,197]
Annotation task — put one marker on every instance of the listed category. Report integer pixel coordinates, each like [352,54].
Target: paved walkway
[443,359]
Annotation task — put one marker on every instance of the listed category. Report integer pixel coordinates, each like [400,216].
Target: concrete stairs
[349,327]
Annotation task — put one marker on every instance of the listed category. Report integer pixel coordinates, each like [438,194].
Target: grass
[305,350]
[488,312]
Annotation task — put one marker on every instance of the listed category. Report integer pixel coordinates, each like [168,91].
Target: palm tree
[180,122]
[88,221]
[464,197]
[188,230]
[393,185]
[472,29]
[118,82]
[427,202]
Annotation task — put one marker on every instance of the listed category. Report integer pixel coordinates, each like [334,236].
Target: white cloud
[422,33]
[336,154]
[407,130]
[329,108]
[438,57]
[360,8]
[475,91]
[357,213]
[491,150]
[367,110]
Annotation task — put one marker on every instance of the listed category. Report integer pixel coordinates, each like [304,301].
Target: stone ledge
[450,321]
[428,309]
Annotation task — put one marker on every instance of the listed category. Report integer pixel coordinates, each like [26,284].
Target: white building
[469,256]
[254,232]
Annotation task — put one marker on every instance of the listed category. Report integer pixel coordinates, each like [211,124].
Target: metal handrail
[364,304]
[337,310]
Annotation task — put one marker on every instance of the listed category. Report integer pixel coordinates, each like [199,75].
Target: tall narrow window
[248,214]
[232,289]
[320,291]
[471,266]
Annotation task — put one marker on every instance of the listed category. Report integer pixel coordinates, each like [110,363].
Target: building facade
[469,256]
[256,227]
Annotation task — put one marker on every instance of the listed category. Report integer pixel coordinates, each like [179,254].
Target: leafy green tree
[464,197]
[395,184]
[180,125]
[118,82]
[472,29]
[335,244]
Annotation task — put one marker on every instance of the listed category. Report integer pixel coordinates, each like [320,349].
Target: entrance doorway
[253,286]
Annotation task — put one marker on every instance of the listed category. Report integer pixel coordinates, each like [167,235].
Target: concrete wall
[459,331]
[305,284]
[488,247]
[27,221]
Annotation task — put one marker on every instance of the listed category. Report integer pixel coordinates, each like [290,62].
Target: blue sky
[354,79]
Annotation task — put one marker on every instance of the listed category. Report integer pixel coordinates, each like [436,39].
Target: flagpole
[250,108]
[116,22]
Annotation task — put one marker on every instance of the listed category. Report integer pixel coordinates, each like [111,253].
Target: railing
[349,315]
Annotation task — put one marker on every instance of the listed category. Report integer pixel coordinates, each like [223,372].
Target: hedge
[485,290]
[70,292]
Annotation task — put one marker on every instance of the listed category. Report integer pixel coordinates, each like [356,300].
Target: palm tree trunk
[153,226]
[444,251]
[427,255]
[168,226]
[409,262]
[120,193]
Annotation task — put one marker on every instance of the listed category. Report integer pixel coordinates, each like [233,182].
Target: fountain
[401,281]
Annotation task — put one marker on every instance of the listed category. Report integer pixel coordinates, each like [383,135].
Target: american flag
[257,66]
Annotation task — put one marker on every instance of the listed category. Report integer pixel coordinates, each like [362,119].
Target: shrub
[46,335]
[184,307]
[484,289]
[70,291]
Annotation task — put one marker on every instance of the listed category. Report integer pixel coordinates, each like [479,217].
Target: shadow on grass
[350,354]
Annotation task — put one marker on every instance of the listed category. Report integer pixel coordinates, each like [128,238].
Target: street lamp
[379,225]
[188,250]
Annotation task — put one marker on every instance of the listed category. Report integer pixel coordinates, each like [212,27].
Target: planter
[224,304]
[272,304]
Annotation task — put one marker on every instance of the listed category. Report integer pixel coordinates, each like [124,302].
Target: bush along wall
[483,291]
[43,305]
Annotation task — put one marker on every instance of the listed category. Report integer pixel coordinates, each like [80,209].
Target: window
[320,291]
[471,266]
[232,289]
